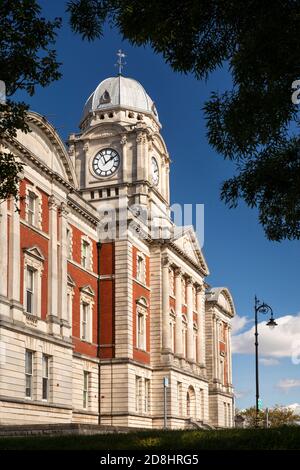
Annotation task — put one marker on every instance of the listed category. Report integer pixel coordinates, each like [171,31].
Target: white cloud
[238,323]
[286,384]
[241,393]
[282,341]
[269,361]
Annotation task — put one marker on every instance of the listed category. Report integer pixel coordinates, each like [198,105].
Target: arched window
[141,316]
[184,335]
[172,324]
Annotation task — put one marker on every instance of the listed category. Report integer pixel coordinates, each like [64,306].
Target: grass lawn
[232,439]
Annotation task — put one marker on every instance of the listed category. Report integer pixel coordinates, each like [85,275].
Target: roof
[120,92]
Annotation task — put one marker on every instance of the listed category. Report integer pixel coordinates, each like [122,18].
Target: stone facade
[93,321]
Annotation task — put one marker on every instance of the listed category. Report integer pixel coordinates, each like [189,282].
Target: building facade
[102,297]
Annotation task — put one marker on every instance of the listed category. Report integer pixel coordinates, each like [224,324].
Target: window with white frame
[85,397]
[33,269]
[45,377]
[138,393]
[28,373]
[172,329]
[86,253]
[31,201]
[141,268]
[147,396]
[184,335]
[141,323]
[30,289]
[33,207]
[86,313]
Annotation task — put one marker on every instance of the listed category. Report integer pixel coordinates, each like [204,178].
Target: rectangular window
[140,269]
[140,330]
[31,202]
[29,290]
[28,373]
[45,378]
[86,379]
[147,396]
[85,253]
[138,393]
[85,321]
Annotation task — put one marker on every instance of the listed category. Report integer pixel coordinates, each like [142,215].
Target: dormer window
[105,98]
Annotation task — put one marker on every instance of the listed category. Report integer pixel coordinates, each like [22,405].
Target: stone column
[146,158]
[62,270]
[218,372]
[166,339]
[178,312]
[3,249]
[162,177]
[190,332]
[139,156]
[123,143]
[53,320]
[215,355]
[14,269]
[229,358]
[200,325]
[166,194]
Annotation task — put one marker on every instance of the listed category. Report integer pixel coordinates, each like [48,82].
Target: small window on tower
[105,98]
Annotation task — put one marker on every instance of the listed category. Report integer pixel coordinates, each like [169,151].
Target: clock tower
[120,154]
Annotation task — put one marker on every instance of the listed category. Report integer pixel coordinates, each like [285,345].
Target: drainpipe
[99,245]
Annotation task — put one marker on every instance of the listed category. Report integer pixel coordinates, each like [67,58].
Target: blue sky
[237,252]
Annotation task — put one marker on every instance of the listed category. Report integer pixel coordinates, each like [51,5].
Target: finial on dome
[120,64]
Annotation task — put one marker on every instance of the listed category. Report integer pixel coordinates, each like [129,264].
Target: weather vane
[120,64]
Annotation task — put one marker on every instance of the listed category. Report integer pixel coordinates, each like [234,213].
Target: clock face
[106,162]
[155,171]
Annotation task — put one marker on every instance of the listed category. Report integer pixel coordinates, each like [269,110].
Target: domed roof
[120,92]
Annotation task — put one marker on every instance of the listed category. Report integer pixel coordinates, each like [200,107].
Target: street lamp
[260,308]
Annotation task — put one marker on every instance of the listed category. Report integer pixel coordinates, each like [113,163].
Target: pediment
[186,241]
[87,290]
[34,252]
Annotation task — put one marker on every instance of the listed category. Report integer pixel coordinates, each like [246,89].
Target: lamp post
[260,307]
